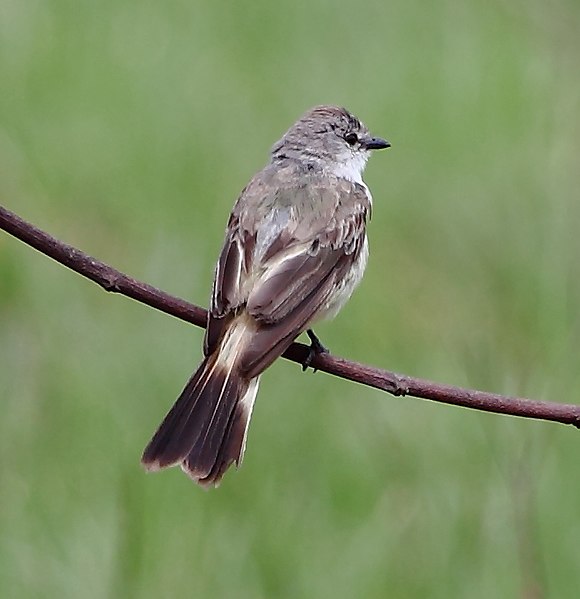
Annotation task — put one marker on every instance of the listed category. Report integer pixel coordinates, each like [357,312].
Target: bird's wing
[282,259]
[230,280]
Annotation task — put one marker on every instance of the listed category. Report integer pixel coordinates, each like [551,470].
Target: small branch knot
[111,282]
[401,388]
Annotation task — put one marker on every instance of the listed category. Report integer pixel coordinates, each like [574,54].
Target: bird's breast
[345,287]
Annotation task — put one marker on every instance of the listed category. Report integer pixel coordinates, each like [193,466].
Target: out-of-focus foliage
[127,129]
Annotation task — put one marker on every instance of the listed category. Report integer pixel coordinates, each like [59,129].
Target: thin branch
[114,281]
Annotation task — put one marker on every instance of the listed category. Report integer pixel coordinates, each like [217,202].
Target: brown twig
[114,281]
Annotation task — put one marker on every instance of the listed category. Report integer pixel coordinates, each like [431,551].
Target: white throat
[351,167]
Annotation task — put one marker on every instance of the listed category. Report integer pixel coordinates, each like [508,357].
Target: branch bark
[115,281]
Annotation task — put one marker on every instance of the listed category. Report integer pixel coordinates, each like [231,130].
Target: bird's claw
[315,348]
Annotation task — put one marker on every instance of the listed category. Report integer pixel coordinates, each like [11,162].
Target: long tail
[205,430]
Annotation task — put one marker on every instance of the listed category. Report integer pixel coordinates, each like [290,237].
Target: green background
[127,129]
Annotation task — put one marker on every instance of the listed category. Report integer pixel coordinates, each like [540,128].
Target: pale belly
[346,286]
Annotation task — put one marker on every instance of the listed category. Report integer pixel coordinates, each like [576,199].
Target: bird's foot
[315,348]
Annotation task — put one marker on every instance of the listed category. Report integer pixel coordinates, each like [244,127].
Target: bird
[295,248]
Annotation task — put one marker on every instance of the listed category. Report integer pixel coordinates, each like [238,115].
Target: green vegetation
[127,129]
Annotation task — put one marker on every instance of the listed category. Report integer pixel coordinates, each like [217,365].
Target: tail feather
[233,446]
[206,428]
[215,426]
[178,431]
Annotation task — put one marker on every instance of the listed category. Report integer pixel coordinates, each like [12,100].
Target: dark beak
[375,143]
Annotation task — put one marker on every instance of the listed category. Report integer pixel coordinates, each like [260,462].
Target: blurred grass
[127,128]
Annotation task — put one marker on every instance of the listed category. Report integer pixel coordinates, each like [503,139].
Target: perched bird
[295,249]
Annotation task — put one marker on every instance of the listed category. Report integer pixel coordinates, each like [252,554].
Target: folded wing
[282,261]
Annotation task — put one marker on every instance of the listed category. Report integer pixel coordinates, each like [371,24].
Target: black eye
[351,138]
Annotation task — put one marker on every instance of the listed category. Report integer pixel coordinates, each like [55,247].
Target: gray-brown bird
[295,249]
